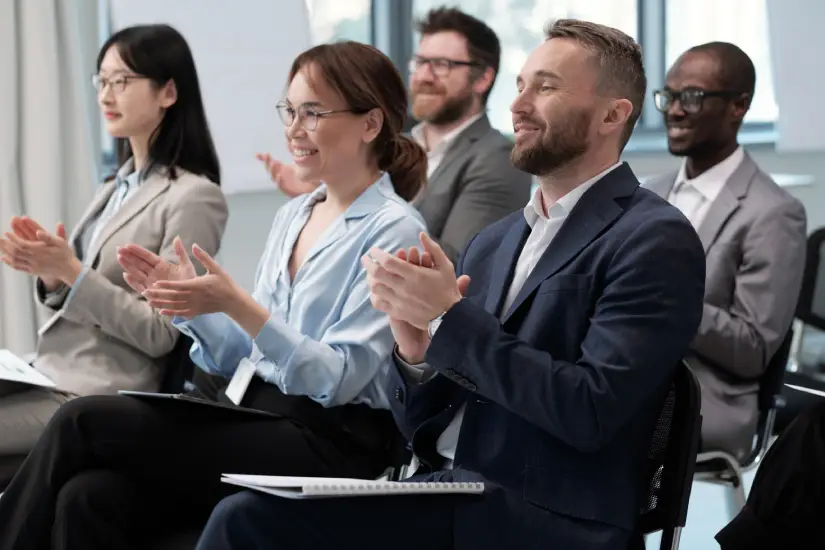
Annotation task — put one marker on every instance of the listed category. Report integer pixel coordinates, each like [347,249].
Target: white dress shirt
[694,196]
[543,228]
[436,154]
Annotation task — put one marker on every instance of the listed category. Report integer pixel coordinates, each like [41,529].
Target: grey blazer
[474,185]
[106,337]
[754,238]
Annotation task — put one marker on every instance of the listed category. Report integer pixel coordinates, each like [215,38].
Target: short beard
[453,110]
[566,141]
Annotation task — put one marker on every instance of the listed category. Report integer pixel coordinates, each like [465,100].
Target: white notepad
[820,393]
[14,369]
[328,487]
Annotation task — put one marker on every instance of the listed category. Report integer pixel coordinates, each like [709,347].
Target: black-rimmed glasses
[691,99]
[440,66]
[116,83]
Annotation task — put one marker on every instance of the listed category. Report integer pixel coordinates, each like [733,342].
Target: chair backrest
[771,382]
[179,367]
[771,385]
[810,308]
[672,457]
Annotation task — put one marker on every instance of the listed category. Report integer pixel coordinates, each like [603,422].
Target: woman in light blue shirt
[307,352]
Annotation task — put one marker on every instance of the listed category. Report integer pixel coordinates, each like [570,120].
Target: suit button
[452,375]
[399,395]
[470,386]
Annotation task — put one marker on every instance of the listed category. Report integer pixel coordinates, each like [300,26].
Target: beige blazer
[754,237]
[106,337]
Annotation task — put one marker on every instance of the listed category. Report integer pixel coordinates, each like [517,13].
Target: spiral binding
[397,487]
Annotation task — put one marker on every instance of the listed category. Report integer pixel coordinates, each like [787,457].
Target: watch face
[433,326]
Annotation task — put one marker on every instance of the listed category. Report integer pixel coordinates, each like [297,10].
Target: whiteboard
[243,51]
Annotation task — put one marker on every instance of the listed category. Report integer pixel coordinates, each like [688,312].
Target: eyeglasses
[307,116]
[440,66]
[691,99]
[117,83]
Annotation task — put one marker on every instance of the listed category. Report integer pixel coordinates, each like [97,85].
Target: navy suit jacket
[562,393]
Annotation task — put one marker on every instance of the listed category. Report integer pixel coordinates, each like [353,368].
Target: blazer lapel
[504,264]
[462,144]
[94,209]
[149,189]
[727,202]
[595,211]
[662,185]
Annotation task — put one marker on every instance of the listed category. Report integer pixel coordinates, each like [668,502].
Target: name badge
[240,381]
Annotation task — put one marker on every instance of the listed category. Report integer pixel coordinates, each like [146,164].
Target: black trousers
[253,521]
[120,472]
[786,501]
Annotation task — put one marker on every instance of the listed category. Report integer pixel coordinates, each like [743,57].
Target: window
[520,27]
[664,28]
[741,22]
[332,20]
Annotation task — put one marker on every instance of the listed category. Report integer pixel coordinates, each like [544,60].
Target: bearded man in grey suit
[752,230]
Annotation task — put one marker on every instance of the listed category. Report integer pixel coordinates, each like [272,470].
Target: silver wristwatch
[433,326]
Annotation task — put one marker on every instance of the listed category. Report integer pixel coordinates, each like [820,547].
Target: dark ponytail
[366,79]
[406,163]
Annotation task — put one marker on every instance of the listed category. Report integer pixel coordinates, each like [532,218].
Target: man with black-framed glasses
[471,181]
[752,230]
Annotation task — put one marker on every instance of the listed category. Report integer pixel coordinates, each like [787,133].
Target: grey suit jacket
[754,238]
[106,337]
[474,185]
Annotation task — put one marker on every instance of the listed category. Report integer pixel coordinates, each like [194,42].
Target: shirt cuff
[414,374]
[277,341]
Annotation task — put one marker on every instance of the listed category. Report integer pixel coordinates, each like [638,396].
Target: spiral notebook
[328,487]
[16,370]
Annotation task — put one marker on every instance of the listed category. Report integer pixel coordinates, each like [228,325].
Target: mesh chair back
[771,383]
[672,457]
[811,306]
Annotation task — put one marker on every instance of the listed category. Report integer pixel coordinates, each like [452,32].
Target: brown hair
[483,44]
[366,79]
[619,60]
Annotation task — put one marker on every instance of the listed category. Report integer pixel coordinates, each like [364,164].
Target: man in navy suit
[542,368]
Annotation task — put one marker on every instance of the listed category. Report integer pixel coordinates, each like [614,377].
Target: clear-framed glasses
[691,99]
[307,116]
[440,66]
[116,83]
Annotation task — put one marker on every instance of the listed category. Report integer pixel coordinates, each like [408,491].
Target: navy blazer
[562,393]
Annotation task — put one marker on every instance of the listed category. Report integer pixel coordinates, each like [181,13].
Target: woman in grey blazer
[101,335]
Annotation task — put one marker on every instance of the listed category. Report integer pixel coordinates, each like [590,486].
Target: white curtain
[48,163]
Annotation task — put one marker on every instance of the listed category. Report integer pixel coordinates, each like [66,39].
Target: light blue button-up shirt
[127,181]
[324,339]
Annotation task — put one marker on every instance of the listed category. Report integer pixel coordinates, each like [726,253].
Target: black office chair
[810,311]
[178,370]
[723,468]
[672,459]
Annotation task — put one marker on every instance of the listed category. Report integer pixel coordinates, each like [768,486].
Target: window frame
[649,134]
[392,31]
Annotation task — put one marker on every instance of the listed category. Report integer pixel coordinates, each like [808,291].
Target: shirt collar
[711,182]
[128,174]
[370,200]
[562,207]
[418,134]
